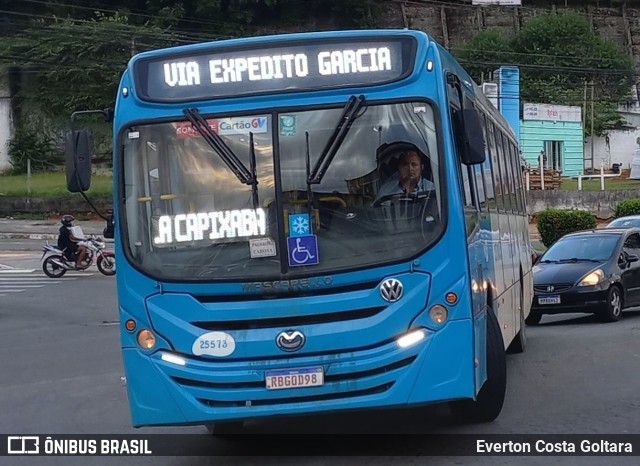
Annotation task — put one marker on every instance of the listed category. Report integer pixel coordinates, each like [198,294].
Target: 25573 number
[213,344]
[218,344]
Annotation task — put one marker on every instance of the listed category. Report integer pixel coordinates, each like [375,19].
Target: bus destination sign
[297,67]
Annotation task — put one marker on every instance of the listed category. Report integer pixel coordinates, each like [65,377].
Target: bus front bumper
[203,391]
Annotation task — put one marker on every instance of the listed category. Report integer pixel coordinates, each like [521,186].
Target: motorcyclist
[70,243]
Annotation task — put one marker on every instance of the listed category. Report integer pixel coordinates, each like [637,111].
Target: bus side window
[521,194]
[476,170]
[510,174]
[517,177]
[495,173]
[466,185]
[504,182]
[485,171]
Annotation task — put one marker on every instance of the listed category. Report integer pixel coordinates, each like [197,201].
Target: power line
[531,54]
[467,6]
[568,69]
[132,12]
[84,21]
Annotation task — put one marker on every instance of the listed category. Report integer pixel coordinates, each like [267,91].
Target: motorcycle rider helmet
[67,220]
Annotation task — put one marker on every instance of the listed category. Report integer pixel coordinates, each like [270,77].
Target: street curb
[39,236]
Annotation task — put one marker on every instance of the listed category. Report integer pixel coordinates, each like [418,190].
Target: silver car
[625,222]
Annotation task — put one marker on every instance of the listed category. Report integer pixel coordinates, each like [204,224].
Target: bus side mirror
[472,150]
[78,160]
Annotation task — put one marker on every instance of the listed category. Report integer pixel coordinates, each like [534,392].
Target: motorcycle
[57,263]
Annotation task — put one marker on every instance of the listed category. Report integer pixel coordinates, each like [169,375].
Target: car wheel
[613,310]
[534,317]
[490,399]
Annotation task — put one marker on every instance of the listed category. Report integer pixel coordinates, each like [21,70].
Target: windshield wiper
[252,167]
[230,159]
[578,259]
[548,261]
[217,144]
[349,115]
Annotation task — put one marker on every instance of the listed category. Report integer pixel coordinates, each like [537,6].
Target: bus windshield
[190,217]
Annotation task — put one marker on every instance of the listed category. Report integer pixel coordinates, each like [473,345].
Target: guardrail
[602,176]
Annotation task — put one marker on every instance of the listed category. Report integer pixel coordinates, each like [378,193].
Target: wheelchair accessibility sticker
[302,250]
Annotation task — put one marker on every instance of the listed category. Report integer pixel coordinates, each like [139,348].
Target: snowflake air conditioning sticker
[299,225]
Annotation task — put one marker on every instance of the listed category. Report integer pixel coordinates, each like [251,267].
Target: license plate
[294,378]
[549,300]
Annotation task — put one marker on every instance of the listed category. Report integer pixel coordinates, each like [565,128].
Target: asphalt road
[60,373]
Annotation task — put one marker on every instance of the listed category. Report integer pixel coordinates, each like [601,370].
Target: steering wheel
[397,197]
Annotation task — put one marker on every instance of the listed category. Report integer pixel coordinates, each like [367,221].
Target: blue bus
[313,222]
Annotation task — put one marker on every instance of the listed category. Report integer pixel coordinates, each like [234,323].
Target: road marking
[27,280]
[13,291]
[21,286]
[44,277]
[7,271]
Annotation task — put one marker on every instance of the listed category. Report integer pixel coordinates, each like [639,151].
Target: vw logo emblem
[291,340]
[391,290]
[550,288]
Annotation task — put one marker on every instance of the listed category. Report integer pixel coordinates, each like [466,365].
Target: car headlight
[592,278]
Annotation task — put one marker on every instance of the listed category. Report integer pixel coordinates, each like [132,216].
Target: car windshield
[624,223]
[582,248]
[376,200]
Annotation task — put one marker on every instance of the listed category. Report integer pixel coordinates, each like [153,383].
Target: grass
[54,185]
[570,184]
[50,185]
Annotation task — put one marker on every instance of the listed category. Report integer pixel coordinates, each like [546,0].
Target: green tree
[484,52]
[64,66]
[559,56]
[73,65]
[243,17]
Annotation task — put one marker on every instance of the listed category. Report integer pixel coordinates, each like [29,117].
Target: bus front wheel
[490,399]
[225,428]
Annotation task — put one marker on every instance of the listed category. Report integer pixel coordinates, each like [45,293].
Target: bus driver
[409,177]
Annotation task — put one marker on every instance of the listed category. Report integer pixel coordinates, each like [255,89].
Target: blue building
[556,132]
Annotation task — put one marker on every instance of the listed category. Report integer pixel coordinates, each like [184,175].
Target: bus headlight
[438,314]
[146,339]
[411,338]
[174,359]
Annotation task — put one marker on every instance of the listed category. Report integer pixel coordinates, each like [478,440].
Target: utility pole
[133,46]
[584,122]
[592,136]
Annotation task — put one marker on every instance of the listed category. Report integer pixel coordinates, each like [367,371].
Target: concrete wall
[601,203]
[617,147]
[6,123]
[9,205]
[452,22]
[534,133]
